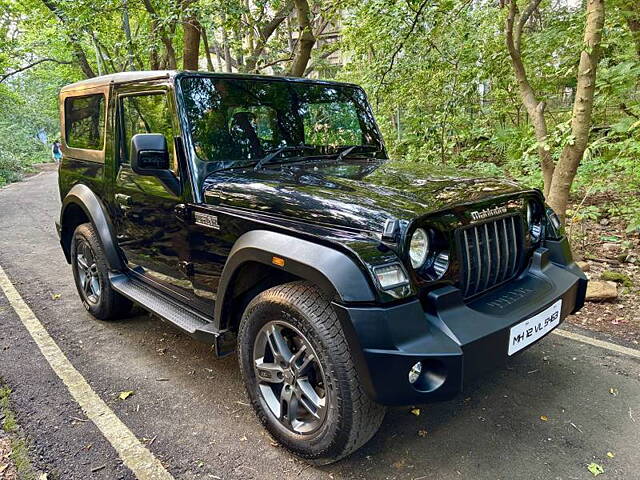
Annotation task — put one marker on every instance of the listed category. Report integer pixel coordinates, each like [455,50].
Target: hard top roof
[127,77]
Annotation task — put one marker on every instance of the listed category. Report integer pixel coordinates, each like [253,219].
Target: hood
[359,194]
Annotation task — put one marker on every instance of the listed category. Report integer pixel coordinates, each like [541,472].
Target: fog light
[415,372]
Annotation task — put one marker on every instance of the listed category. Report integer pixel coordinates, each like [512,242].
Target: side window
[84,122]
[147,114]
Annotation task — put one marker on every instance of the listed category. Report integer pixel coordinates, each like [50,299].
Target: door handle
[123,200]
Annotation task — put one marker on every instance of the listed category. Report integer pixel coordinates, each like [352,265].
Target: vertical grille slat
[490,253]
[478,261]
[506,249]
[467,257]
[489,263]
[514,257]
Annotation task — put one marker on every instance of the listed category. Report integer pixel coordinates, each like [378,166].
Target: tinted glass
[84,122]
[236,121]
[147,114]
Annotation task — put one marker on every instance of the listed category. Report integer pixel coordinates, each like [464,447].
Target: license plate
[527,332]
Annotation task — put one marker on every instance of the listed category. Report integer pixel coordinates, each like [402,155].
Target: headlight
[418,248]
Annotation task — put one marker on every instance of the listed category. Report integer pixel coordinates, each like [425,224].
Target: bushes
[20,149]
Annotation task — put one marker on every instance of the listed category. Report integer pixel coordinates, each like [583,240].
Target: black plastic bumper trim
[461,339]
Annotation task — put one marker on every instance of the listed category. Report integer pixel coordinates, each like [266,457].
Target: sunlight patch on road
[136,456]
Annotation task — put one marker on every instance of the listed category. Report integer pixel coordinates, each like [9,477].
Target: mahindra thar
[261,215]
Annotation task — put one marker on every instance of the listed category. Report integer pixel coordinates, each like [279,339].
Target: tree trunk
[571,156]
[191,50]
[154,58]
[631,11]
[227,50]
[306,39]
[207,51]
[513,34]
[170,53]
[264,33]
[216,48]
[126,27]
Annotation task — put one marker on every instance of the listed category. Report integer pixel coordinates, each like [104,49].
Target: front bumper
[455,340]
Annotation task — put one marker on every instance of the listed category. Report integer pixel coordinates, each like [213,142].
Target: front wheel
[300,375]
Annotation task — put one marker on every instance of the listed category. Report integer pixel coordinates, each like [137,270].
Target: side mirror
[149,154]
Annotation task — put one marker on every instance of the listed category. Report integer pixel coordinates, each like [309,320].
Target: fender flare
[332,270]
[94,209]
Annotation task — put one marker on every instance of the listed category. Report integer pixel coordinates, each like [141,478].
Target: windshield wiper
[287,148]
[348,150]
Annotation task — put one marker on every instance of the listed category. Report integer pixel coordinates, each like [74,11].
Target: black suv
[261,214]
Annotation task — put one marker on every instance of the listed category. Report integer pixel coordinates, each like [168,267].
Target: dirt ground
[7,469]
[606,249]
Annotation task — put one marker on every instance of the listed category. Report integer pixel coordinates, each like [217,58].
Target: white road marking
[136,456]
[598,343]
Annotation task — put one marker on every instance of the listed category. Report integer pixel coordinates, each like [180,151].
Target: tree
[631,11]
[558,178]
[306,39]
[191,29]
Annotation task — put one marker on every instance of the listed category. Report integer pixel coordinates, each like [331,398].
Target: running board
[195,324]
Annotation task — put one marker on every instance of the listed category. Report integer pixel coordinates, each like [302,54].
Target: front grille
[491,253]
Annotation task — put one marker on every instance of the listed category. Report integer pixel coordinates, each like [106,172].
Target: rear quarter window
[84,121]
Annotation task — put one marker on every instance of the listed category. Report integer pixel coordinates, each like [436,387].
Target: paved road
[191,410]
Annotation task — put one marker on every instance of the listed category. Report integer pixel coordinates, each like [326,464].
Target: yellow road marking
[136,456]
[598,343]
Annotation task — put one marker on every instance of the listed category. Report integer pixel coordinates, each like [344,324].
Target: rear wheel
[300,375]
[91,275]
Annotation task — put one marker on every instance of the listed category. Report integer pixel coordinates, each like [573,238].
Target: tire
[346,418]
[88,262]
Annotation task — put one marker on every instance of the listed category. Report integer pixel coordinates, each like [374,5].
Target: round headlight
[419,248]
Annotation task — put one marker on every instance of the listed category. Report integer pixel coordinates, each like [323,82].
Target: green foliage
[444,92]
[617,277]
[20,121]
[437,73]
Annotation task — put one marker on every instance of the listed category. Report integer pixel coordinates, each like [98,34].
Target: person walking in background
[56,152]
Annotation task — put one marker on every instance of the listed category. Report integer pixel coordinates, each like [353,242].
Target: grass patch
[617,277]
[19,455]
[9,423]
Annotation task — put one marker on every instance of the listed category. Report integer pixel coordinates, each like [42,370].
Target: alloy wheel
[87,269]
[290,377]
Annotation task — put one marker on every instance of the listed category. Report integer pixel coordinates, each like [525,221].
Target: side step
[180,315]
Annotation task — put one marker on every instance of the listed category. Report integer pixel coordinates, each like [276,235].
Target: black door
[150,233]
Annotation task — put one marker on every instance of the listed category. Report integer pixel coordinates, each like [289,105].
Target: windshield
[234,122]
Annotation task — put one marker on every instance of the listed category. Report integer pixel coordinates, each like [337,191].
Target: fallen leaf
[422,433]
[416,411]
[126,394]
[595,469]
[610,454]
[55,296]
[544,418]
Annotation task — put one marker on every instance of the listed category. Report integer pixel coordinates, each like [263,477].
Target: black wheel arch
[82,205]
[256,253]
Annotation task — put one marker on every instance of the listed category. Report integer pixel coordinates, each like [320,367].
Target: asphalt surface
[191,410]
